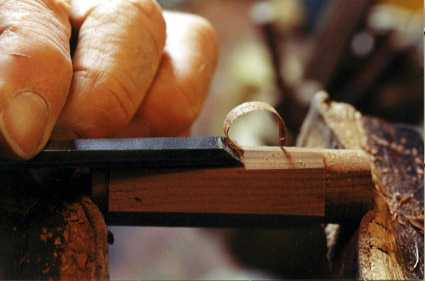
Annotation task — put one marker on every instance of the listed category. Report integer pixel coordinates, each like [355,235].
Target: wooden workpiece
[325,184]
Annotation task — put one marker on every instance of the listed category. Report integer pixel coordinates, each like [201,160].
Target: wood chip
[247,108]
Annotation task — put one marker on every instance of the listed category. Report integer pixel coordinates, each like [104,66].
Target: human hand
[135,72]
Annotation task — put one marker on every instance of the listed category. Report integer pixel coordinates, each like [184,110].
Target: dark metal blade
[122,153]
[210,220]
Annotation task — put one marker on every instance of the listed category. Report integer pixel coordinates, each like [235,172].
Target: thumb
[35,72]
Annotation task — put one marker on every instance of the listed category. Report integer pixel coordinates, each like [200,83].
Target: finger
[181,85]
[118,53]
[35,72]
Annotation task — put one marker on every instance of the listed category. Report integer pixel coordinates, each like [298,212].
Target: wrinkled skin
[136,71]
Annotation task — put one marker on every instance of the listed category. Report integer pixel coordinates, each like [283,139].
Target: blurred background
[363,52]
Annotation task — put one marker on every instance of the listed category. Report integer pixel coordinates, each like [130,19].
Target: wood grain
[289,182]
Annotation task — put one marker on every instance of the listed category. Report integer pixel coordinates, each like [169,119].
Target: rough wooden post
[50,231]
[389,241]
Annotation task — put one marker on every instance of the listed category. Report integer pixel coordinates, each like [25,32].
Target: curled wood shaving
[244,109]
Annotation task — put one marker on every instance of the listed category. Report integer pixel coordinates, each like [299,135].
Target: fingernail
[25,121]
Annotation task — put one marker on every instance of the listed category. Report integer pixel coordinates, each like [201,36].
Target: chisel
[200,181]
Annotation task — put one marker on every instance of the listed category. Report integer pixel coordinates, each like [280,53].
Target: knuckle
[50,58]
[58,55]
[144,4]
[107,117]
[150,11]
[192,21]
[61,7]
[121,91]
[103,105]
[200,22]
[130,21]
[207,34]
[197,31]
[33,27]
[148,8]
